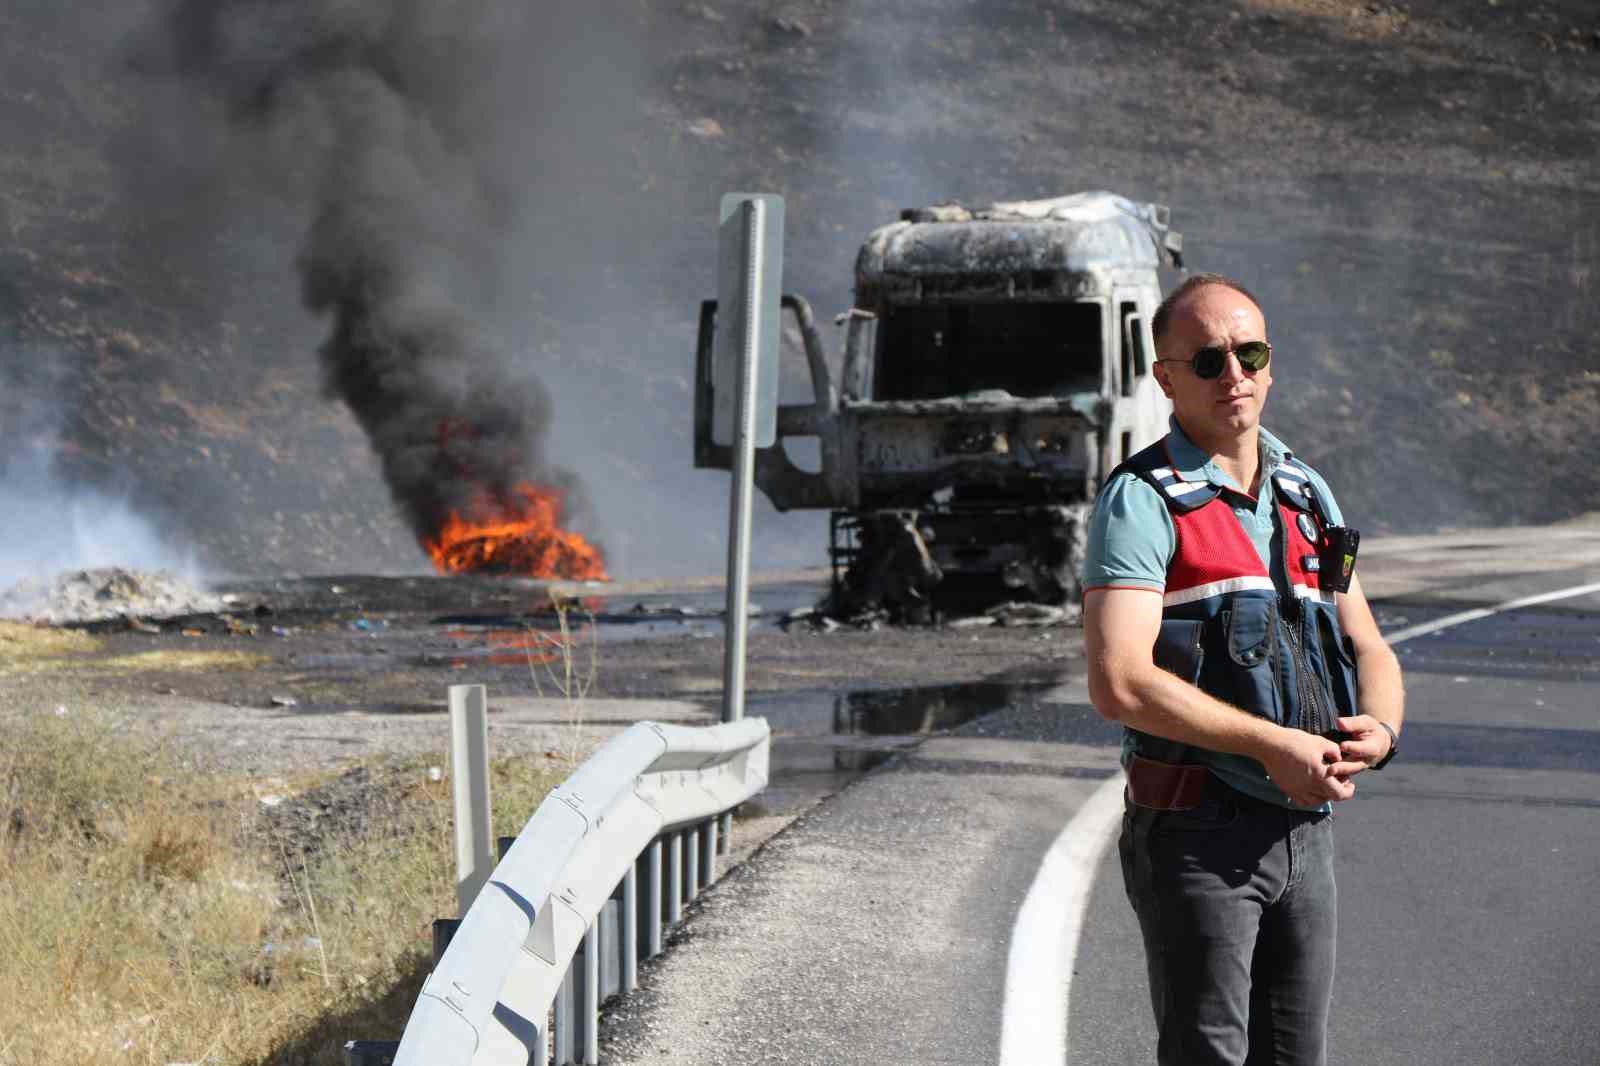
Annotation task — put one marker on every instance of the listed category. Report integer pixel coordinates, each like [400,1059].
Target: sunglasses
[1210,362]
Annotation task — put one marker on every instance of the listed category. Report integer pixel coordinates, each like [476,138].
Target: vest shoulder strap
[1153,466]
[1292,482]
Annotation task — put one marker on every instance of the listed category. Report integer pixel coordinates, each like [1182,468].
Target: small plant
[561,667]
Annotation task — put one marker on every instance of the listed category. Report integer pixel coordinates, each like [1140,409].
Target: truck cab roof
[1040,239]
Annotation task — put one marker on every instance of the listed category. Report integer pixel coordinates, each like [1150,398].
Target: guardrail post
[708,861]
[443,930]
[674,877]
[564,1018]
[652,899]
[628,929]
[588,1006]
[691,846]
[726,823]
[469,789]
[610,921]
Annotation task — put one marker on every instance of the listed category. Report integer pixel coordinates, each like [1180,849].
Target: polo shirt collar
[1193,464]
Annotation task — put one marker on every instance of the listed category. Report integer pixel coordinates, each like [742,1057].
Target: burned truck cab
[996,367]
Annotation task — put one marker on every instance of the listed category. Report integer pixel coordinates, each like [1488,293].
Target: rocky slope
[1410,187]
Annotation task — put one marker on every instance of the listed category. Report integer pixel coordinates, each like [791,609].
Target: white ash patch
[104,593]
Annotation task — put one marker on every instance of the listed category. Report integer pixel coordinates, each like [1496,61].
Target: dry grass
[43,657]
[147,916]
[23,641]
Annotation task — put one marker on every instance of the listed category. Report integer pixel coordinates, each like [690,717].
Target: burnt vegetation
[1410,187]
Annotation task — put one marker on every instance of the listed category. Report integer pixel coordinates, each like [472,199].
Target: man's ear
[1159,371]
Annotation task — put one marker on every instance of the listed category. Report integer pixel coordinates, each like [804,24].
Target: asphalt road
[1468,869]
[876,929]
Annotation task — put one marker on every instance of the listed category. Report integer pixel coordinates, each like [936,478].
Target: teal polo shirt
[1132,540]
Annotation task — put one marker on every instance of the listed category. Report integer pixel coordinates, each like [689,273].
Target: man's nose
[1232,369]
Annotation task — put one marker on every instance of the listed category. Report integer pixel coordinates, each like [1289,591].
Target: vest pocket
[1251,624]
[1339,659]
[1178,648]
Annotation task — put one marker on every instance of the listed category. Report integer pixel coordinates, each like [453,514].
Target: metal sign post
[745,380]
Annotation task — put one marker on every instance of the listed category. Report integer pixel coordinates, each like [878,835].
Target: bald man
[1227,633]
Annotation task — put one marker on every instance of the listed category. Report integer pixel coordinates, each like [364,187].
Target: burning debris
[517,536]
[386,120]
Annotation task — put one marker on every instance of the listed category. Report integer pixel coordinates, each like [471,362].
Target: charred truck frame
[996,367]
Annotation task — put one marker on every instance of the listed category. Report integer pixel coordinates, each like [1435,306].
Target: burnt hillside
[1410,187]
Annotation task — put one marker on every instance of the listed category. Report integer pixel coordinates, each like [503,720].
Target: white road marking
[1044,938]
[1484,612]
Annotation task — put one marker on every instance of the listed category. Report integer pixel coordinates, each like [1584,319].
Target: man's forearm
[1154,701]
[1378,685]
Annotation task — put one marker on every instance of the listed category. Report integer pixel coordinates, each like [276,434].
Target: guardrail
[585,892]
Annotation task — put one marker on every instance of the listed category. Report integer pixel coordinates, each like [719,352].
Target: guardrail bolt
[370,1052]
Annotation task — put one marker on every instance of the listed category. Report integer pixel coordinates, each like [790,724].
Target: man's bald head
[1161,324]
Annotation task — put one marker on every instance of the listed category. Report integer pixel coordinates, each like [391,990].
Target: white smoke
[51,524]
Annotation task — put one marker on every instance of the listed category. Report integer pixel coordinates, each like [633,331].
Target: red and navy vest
[1272,649]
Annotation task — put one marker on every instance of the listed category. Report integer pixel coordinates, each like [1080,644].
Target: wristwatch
[1394,746]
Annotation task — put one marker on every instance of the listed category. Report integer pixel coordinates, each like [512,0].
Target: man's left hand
[1366,742]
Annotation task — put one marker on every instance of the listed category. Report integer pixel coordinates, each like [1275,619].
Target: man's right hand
[1301,764]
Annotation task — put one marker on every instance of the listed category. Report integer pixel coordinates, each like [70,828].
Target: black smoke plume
[387,121]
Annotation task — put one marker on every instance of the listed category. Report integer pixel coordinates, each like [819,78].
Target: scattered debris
[706,129]
[284,701]
[105,594]
[1013,614]
[792,25]
[669,610]
[1032,614]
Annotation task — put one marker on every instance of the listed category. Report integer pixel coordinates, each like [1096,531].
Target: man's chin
[1239,421]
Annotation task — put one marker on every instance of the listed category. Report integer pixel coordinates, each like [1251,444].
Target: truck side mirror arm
[822,390]
[857,371]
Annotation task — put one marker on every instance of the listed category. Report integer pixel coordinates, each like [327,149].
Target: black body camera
[1336,555]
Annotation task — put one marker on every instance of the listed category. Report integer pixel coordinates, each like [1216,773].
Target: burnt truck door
[1139,410]
[786,484]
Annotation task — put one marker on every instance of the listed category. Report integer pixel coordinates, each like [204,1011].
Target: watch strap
[1394,746]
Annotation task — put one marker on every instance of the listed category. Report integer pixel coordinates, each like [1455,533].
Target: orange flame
[521,536]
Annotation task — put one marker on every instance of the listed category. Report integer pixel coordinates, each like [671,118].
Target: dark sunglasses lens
[1254,355]
[1208,362]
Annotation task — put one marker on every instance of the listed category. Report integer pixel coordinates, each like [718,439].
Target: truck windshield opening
[929,351]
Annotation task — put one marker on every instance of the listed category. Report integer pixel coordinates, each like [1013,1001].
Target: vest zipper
[1312,715]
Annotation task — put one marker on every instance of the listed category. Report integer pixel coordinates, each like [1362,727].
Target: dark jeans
[1237,903]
